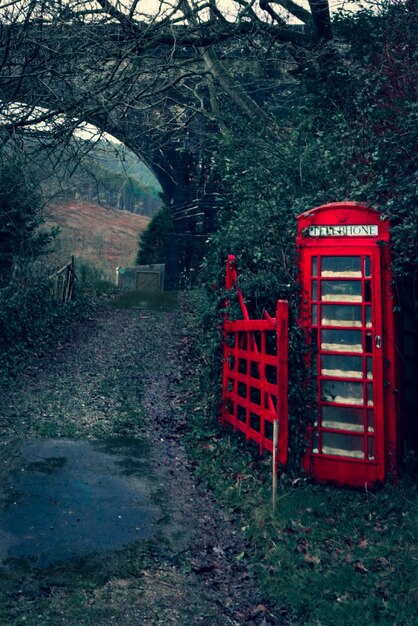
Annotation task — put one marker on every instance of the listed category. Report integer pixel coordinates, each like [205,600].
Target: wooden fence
[63,282]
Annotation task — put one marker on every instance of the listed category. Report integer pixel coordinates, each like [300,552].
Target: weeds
[93,280]
[29,321]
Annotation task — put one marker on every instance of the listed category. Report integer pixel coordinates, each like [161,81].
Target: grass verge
[328,555]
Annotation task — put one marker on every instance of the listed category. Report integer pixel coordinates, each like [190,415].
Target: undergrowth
[328,555]
[92,280]
[30,320]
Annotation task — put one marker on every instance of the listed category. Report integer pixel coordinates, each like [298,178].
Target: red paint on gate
[255,372]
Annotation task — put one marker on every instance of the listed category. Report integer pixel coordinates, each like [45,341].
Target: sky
[151,7]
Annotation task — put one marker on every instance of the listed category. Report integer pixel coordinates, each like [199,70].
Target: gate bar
[280,325]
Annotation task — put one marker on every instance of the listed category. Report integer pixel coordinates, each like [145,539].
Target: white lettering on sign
[344,230]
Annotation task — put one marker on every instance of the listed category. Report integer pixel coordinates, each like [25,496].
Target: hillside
[106,238]
[118,159]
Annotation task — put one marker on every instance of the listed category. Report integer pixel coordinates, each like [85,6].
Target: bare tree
[153,79]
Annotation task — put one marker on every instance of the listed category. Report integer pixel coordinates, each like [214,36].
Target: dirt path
[114,378]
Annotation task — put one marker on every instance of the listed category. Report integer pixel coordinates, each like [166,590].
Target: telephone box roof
[350,221]
[341,206]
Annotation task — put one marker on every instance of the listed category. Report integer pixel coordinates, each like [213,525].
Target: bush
[91,280]
[29,320]
[154,241]
[20,218]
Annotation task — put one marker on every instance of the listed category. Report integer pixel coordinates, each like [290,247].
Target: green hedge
[29,319]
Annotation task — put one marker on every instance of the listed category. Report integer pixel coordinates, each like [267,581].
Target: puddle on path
[67,499]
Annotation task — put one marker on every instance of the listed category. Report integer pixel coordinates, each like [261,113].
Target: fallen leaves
[359,566]
[303,548]
[205,567]
[343,597]
[312,560]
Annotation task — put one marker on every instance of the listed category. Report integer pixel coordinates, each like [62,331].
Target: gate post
[282,337]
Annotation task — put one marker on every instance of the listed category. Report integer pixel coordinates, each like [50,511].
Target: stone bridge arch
[183,172]
[141,100]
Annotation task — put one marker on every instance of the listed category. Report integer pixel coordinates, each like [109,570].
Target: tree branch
[295,9]
[265,6]
[321,19]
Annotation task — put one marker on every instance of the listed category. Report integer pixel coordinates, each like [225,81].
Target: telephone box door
[343,310]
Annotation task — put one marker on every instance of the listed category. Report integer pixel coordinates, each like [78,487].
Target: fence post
[280,445]
[72,269]
[63,282]
[282,333]
[275,464]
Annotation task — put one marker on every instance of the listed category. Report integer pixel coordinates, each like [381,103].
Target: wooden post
[72,278]
[275,464]
[63,282]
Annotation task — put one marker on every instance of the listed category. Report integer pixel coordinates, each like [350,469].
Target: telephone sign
[341,230]
[347,312]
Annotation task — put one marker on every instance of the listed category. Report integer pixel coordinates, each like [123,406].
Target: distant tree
[153,242]
[20,218]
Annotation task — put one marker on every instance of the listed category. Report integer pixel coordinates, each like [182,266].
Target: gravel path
[115,377]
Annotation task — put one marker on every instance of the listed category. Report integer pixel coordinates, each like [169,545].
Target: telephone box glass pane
[342,417]
[315,442]
[370,448]
[341,366]
[345,379]
[341,340]
[349,266]
[369,394]
[342,392]
[343,445]
[341,290]
[367,291]
[340,315]
[370,420]
[368,316]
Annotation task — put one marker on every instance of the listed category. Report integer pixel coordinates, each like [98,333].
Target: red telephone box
[348,314]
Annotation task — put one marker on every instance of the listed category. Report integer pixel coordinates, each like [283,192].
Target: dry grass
[104,238]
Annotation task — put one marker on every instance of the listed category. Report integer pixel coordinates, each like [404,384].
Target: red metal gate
[255,373]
